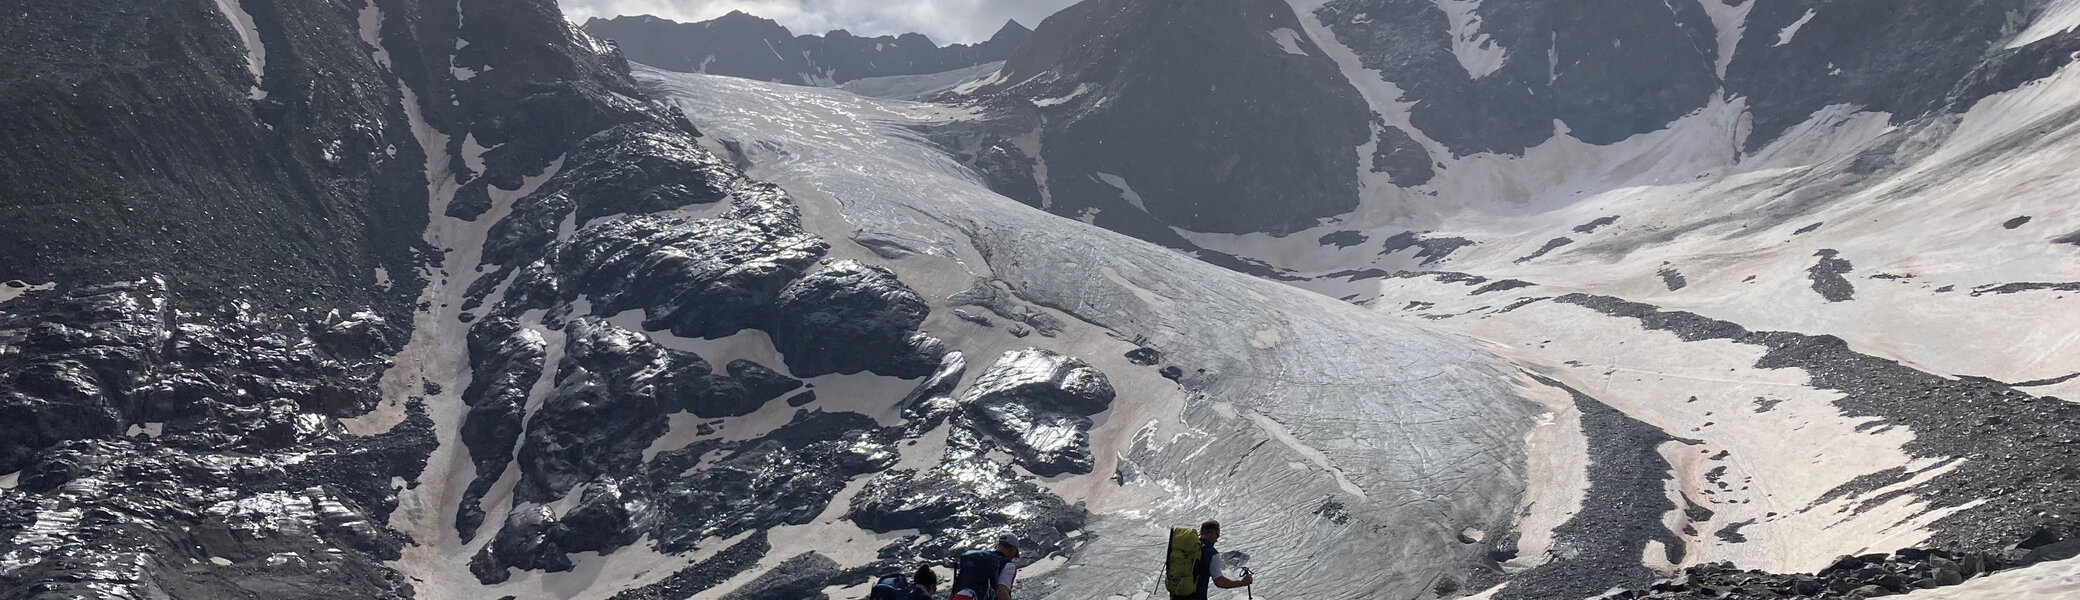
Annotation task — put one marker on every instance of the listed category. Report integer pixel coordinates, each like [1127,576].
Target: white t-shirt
[1213,566]
[1009,575]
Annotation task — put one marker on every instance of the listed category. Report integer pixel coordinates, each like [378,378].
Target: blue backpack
[894,586]
[977,571]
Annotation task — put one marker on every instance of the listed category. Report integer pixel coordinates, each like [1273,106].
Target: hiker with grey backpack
[1194,564]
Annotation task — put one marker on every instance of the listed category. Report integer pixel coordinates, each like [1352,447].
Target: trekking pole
[1251,589]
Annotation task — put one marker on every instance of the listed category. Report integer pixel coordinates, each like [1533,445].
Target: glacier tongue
[1429,428]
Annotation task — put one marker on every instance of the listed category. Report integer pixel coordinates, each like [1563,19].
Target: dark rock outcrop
[784,478]
[1038,404]
[945,499]
[1906,60]
[741,45]
[99,359]
[850,317]
[604,413]
[1607,69]
[526,542]
[708,278]
[1109,73]
[1429,250]
[1829,277]
[506,359]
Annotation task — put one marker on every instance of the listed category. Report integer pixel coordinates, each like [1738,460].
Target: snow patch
[473,154]
[10,480]
[256,52]
[1288,40]
[1477,51]
[1081,89]
[1730,22]
[704,64]
[1126,192]
[1784,36]
[370,22]
[14,289]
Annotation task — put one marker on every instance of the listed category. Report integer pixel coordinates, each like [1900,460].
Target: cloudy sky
[946,21]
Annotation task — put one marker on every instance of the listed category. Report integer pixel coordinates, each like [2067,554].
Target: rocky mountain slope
[450,300]
[742,45]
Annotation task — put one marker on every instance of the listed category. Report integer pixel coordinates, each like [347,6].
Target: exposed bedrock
[742,45]
[610,514]
[1607,69]
[506,359]
[1038,404]
[604,411]
[1909,60]
[527,541]
[760,384]
[784,478]
[633,168]
[1120,149]
[968,500]
[96,360]
[708,278]
[850,317]
[701,576]
[139,517]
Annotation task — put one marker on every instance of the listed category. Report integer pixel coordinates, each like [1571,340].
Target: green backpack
[1179,574]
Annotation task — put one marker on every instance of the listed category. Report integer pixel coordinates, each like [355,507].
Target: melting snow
[1477,51]
[1081,89]
[1730,22]
[1784,37]
[371,24]
[256,52]
[1126,192]
[14,289]
[1289,40]
[2061,16]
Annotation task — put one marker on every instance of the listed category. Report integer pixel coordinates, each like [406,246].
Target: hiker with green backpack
[1194,563]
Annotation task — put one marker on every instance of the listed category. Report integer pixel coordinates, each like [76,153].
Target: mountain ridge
[740,44]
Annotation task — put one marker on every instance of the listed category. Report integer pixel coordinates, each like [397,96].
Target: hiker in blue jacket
[1209,567]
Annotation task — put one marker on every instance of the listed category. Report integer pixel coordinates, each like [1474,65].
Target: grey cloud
[945,21]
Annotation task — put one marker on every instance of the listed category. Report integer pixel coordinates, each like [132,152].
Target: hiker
[987,574]
[1191,568]
[895,586]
